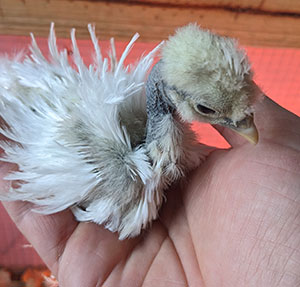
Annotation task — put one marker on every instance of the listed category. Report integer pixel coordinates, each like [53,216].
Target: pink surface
[277,72]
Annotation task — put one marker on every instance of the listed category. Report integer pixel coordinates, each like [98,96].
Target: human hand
[234,223]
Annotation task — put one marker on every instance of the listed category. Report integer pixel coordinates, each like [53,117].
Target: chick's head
[209,79]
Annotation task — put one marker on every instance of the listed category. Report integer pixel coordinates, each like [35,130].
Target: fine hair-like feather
[67,129]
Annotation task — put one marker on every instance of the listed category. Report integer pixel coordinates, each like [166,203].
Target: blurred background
[268,29]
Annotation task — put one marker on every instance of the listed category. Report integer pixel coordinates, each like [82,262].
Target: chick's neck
[159,105]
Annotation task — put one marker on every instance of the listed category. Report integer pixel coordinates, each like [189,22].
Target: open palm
[233,222]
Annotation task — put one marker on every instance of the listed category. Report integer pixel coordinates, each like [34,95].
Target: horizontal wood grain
[271,6]
[121,19]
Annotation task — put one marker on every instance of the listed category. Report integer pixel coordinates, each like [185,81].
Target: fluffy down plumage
[69,132]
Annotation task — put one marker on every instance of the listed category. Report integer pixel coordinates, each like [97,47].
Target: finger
[74,252]
[47,233]
[58,238]
[277,124]
[91,255]
[66,245]
[273,122]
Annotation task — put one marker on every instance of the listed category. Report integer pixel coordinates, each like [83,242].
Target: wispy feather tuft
[66,134]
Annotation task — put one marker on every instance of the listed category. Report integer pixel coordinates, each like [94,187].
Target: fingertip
[276,123]
[272,121]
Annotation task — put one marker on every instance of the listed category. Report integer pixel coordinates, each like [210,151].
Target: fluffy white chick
[85,139]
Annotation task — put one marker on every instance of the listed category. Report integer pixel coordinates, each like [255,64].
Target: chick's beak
[250,134]
[246,128]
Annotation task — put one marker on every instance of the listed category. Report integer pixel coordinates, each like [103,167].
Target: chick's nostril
[228,122]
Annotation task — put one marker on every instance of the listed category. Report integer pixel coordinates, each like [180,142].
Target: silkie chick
[86,138]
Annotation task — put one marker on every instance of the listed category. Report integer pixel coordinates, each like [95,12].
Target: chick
[86,139]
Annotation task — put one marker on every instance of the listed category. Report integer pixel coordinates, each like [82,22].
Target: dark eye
[205,110]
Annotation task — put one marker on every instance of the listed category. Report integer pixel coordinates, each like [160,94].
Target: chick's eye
[205,110]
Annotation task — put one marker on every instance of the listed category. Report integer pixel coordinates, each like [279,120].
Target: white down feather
[44,101]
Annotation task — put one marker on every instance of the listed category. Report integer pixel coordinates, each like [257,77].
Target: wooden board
[154,21]
[262,6]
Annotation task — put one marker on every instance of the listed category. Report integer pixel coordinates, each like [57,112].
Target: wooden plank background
[253,22]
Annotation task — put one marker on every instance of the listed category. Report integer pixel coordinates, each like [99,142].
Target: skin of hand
[234,222]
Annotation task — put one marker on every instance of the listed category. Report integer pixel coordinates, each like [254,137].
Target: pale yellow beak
[246,128]
[250,134]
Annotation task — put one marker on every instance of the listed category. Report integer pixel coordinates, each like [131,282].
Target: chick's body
[85,138]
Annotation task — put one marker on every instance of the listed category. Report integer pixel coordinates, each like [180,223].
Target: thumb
[273,122]
[277,124]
